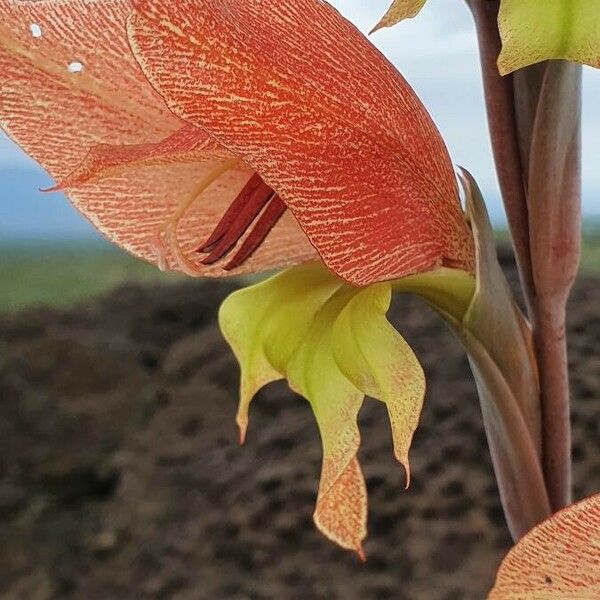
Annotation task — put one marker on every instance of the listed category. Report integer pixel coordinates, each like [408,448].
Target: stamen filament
[270,217]
[168,230]
[254,186]
[245,217]
[184,205]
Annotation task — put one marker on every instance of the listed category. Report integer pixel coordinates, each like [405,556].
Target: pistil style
[168,231]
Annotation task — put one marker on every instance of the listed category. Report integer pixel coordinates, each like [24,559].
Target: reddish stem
[534,120]
[551,350]
[554,192]
[499,97]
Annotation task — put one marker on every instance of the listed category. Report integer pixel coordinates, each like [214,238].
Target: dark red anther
[238,218]
[255,191]
[269,218]
[244,218]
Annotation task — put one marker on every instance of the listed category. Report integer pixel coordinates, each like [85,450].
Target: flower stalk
[555,223]
[535,122]
[503,126]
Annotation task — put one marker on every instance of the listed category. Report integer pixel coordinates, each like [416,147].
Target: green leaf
[536,30]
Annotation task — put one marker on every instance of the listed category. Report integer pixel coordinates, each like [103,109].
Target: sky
[436,52]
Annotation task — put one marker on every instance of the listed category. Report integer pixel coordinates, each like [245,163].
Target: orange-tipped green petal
[341,509]
[377,359]
[533,31]
[281,328]
[300,95]
[75,99]
[558,560]
[265,323]
[398,11]
[303,325]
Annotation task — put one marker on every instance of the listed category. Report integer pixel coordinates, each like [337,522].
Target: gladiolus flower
[218,137]
[288,96]
[150,182]
[299,94]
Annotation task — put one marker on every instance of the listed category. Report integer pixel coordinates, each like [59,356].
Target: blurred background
[50,254]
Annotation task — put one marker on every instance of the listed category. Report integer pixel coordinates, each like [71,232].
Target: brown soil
[121,478]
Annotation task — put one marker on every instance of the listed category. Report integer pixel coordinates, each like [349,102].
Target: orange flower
[273,106]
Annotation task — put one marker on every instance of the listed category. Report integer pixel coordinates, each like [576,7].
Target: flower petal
[341,510]
[270,345]
[333,344]
[533,31]
[105,110]
[398,11]
[379,362]
[560,558]
[187,145]
[256,323]
[299,94]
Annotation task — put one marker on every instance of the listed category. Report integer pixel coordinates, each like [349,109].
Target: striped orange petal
[300,95]
[558,559]
[75,99]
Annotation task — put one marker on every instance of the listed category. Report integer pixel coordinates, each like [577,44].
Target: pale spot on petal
[36,30]
[75,67]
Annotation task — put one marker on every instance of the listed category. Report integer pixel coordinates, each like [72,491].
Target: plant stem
[551,350]
[499,97]
[535,121]
[554,192]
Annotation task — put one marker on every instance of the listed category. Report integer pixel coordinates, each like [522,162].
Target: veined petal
[75,99]
[398,11]
[377,359]
[341,510]
[187,145]
[300,94]
[559,559]
[533,31]
[302,325]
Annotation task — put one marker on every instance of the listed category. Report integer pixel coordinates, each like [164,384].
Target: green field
[63,275]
